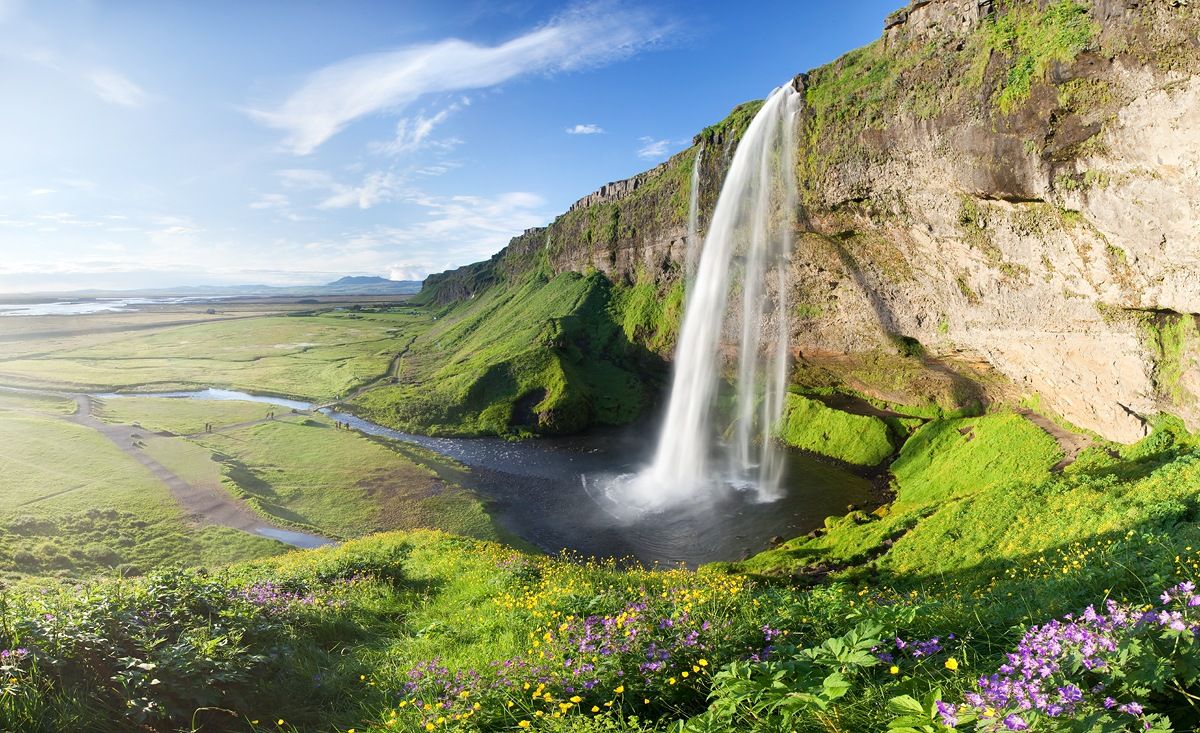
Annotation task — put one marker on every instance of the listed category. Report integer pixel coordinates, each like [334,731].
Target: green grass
[35,403]
[330,640]
[946,459]
[858,439]
[942,463]
[541,355]
[303,472]
[317,357]
[181,416]
[73,504]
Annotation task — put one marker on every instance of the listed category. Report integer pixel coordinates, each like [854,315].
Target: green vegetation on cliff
[1174,341]
[1032,39]
[543,355]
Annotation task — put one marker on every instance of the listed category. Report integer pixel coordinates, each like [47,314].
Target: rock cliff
[1001,200]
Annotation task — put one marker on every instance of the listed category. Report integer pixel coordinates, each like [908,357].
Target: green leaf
[905,705]
[835,686]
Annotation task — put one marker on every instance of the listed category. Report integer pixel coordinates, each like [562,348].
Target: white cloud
[305,178]
[412,133]
[443,232]
[653,149]
[406,272]
[585,129]
[41,191]
[116,89]
[271,201]
[333,97]
[376,188]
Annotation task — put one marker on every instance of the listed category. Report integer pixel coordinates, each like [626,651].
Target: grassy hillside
[540,355]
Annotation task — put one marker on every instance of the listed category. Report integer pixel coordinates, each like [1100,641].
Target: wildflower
[1015,722]
[524,724]
[702,662]
[893,669]
[948,712]
[620,689]
[951,664]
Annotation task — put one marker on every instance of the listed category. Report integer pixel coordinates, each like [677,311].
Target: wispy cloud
[271,201]
[376,188]
[413,133]
[115,88]
[653,149]
[585,129]
[582,37]
[41,191]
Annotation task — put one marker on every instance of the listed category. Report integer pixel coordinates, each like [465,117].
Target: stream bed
[551,491]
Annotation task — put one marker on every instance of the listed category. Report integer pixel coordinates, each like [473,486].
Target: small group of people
[208,427]
[341,425]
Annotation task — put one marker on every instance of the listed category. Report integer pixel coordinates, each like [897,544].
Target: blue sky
[151,144]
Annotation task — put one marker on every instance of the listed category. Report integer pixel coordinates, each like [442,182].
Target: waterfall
[744,258]
[693,222]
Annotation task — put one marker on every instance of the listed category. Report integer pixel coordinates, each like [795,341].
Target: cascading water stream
[746,251]
[693,223]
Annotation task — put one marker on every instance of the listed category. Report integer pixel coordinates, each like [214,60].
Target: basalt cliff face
[1001,201]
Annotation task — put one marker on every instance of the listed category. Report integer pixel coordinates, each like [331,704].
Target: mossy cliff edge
[999,202]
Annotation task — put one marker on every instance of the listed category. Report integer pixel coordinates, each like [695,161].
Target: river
[551,491]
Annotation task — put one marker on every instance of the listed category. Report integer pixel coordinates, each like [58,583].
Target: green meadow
[310,357]
[74,504]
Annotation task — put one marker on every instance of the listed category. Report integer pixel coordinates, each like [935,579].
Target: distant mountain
[357,280]
[368,285]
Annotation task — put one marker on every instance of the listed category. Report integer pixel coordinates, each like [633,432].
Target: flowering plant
[1120,669]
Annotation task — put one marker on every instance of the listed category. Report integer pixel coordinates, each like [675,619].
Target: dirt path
[388,377]
[205,504]
[1072,444]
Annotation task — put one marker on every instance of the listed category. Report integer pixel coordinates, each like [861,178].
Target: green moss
[735,123]
[1174,342]
[905,383]
[967,291]
[648,314]
[1032,39]
[946,459]
[857,439]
